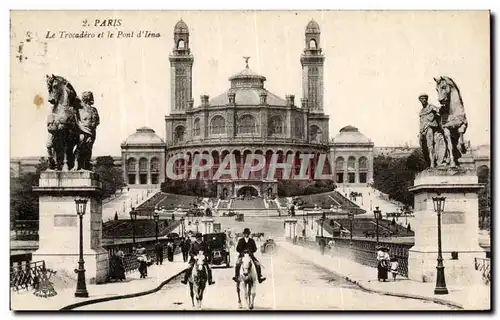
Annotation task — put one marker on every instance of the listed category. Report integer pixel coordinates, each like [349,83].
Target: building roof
[351,135]
[312,27]
[143,136]
[181,27]
[247,86]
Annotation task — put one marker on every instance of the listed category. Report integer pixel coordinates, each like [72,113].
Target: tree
[394,176]
[110,176]
[23,201]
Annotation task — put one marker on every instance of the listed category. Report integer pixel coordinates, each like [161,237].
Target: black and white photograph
[250,160]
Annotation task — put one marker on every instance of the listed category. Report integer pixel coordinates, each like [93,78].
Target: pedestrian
[117,266]
[382,263]
[159,253]
[170,251]
[143,260]
[186,244]
[394,268]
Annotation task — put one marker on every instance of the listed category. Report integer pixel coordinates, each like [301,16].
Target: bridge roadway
[292,284]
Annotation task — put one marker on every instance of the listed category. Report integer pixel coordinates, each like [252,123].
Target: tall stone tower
[181,71]
[312,69]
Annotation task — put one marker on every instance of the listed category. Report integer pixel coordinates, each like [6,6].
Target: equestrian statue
[71,126]
[442,128]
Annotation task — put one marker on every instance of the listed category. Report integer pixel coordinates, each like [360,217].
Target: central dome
[143,136]
[247,87]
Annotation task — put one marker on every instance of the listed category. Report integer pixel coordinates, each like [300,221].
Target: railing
[364,251]
[484,266]
[130,258]
[26,275]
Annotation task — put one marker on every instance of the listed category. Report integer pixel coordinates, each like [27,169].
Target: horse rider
[246,244]
[195,248]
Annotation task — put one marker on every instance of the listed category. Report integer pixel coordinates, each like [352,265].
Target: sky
[377,63]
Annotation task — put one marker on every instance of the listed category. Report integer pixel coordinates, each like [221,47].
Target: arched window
[351,167]
[299,127]
[180,44]
[155,165]
[339,169]
[218,125]
[363,168]
[312,44]
[276,125]
[143,165]
[351,163]
[247,124]
[131,165]
[196,127]
[363,164]
[179,134]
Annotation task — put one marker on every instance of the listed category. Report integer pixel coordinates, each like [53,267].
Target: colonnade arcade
[354,170]
[181,166]
[148,171]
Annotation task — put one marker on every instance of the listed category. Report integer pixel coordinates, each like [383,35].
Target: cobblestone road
[292,284]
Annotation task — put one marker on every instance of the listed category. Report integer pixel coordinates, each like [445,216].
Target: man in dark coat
[197,246]
[159,253]
[185,245]
[246,244]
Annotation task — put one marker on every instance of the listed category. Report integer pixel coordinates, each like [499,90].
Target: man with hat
[431,140]
[246,244]
[197,246]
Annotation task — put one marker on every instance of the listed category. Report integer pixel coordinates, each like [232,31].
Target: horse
[198,280]
[454,120]
[62,123]
[247,279]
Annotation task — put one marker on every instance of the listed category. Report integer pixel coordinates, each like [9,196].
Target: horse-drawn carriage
[240,217]
[268,247]
[218,246]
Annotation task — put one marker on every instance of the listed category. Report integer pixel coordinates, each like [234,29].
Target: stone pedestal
[208,225]
[59,224]
[290,229]
[459,226]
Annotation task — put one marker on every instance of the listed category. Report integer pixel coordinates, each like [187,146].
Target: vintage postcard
[250,160]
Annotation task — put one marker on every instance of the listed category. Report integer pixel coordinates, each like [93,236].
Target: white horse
[198,280]
[247,279]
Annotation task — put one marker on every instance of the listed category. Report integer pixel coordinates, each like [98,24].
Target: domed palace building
[246,119]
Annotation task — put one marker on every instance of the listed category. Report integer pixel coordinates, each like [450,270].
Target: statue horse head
[454,120]
[198,279]
[449,96]
[62,122]
[61,92]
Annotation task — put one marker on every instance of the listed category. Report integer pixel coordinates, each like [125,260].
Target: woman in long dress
[382,263]
[142,258]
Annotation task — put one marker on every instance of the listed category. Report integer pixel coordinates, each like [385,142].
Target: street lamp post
[133,217]
[81,287]
[156,216]
[377,213]
[440,278]
[351,217]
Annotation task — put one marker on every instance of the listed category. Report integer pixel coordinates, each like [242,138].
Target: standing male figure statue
[431,136]
[88,120]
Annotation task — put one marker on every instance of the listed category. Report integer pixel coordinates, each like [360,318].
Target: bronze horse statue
[453,118]
[68,137]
